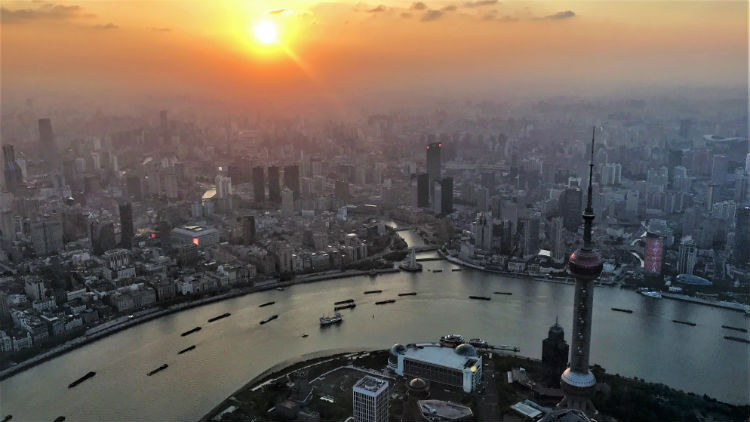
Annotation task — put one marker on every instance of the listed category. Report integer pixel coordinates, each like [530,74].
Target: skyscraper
[688,255]
[274,188]
[585,264]
[291,179]
[370,400]
[259,184]
[48,146]
[11,171]
[446,197]
[554,355]
[434,170]
[653,252]
[423,190]
[248,229]
[742,235]
[558,242]
[570,207]
[126,225]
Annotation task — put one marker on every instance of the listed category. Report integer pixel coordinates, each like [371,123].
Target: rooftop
[443,410]
[442,356]
[371,384]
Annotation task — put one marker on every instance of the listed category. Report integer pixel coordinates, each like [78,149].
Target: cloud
[283,12]
[493,16]
[449,8]
[162,29]
[105,26]
[418,6]
[47,11]
[431,15]
[378,9]
[560,15]
[406,15]
[479,3]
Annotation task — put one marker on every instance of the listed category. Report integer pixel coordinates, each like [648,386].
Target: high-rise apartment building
[274,187]
[126,226]
[259,184]
[370,400]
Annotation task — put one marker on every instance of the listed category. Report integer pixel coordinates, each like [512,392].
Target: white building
[370,400]
[460,367]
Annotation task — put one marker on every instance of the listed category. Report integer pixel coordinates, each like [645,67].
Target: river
[231,351]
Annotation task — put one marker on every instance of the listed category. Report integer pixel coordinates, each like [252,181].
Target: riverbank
[151,314]
[614,399]
[453,260]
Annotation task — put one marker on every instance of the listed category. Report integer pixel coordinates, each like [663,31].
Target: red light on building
[196,241]
[428,147]
[153,235]
[440,145]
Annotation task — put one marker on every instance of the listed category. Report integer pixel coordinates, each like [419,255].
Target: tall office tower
[446,198]
[529,228]
[370,400]
[164,126]
[12,172]
[164,234]
[259,184]
[585,264]
[223,187]
[47,140]
[481,230]
[423,190]
[126,225]
[101,236]
[287,201]
[341,190]
[437,204]
[291,179]
[558,241]
[688,255]
[46,235]
[570,207]
[274,188]
[742,236]
[434,170]
[719,169]
[134,187]
[554,355]
[248,230]
[653,253]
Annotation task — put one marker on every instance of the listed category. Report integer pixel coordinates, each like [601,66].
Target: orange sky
[343,50]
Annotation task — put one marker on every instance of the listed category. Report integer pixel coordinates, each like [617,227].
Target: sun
[265,33]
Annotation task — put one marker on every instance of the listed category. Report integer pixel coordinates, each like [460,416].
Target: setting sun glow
[265,33]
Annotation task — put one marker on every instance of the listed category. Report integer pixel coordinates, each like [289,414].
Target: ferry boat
[347,306]
[370,292]
[383,302]
[651,293]
[452,340]
[478,342]
[263,305]
[480,297]
[328,320]
[82,379]
[269,319]
[161,368]
[408,294]
[341,302]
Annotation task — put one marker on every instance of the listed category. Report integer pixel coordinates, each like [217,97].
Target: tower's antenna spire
[588,213]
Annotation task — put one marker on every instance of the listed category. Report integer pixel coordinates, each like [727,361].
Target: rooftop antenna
[588,213]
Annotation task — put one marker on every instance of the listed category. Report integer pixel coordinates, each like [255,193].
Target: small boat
[328,320]
[60,419]
[503,293]
[456,269]
[187,349]
[734,328]
[480,297]
[369,292]
[263,305]
[82,379]
[305,335]
[161,368]
[629,311]
[188,332]
[437,271]
[281,289]
[452,340]
[341,302]
[740,339]
[651,293]
[269,319]
[216,318]
[692,324]
[383,302]
[408,294]
[347,306]
[478,342]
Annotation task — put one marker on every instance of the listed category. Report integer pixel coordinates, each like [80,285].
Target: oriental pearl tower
[585,264]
